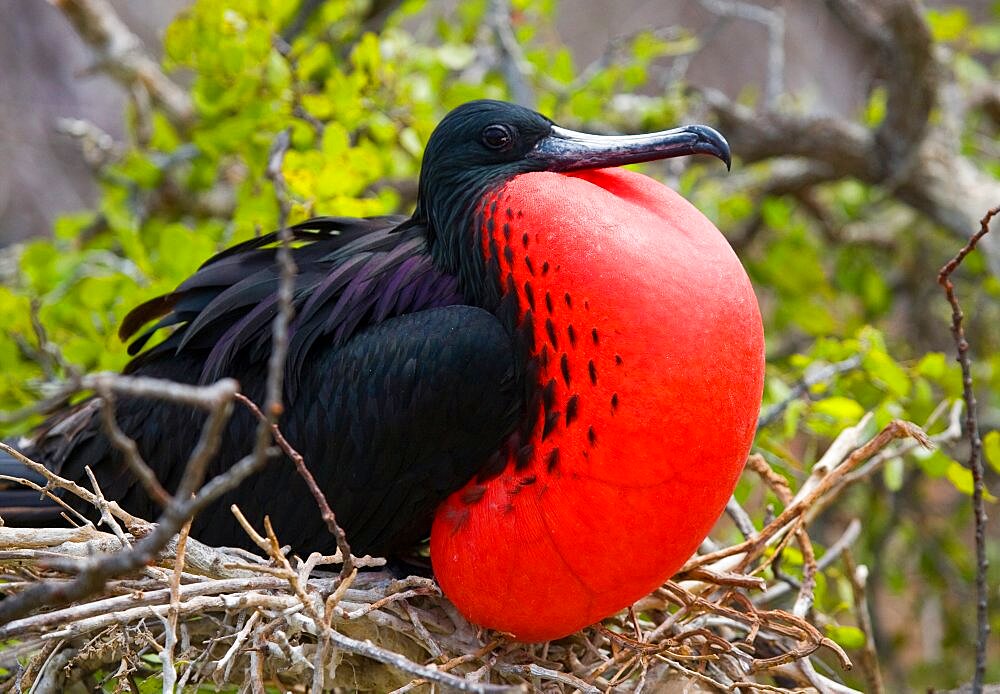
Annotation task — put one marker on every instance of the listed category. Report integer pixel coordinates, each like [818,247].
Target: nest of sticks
[219,617]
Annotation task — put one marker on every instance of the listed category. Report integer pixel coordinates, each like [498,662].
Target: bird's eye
[498,137]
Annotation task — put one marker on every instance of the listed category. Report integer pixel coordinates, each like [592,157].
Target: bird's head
[481,145]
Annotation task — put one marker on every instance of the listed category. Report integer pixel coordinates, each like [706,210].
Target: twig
[202,397]
[514,66]
[976,446]
[106,517]
[814,375]
[120,53]
[740,517]
[858,576]
[915,158]
[325,511]
[778,484]
[129,450]
[47,491]
[93,573]
[205,397]
[273,406]
[46,404]
[54,480]
[112,605]
[894,430]
[98,147]
[535,670]
[773,20]
[170,621]
[833,552]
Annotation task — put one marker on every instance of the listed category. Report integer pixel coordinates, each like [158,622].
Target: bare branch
[846,147]
[773,20]
[833,552]
[815,374]
[976,446]
[92,573]
[130,451]
[98,147]
[324,506]
[120,53]
[858,576]
[514,66]
[816,498]
[917,161]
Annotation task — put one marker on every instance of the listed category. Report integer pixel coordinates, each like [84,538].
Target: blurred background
[49,74]
[865,142]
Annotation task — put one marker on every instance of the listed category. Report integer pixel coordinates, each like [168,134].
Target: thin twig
[894,430]
[170,621]
[833,552]
[515,67]
[129,450]
[120,53]
[814,375]
[324,506]
[273,406]
[976,446]
[858,576]
[94,572]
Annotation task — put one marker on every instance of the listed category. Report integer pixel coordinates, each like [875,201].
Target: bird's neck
[454,218]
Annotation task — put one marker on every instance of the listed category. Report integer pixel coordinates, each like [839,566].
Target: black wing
[350,273]
[401,393]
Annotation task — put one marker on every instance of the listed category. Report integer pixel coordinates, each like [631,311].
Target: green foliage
[360,107]
[846,636]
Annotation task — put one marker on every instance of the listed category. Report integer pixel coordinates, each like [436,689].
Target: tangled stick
[221,616]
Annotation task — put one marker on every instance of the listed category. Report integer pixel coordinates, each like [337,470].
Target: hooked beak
[568,150]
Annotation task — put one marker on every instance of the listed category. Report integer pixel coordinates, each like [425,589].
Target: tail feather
[21,505]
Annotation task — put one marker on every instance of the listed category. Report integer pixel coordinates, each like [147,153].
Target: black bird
[412,367]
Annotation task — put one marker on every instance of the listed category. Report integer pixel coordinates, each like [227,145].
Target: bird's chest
[635,321]
[643,348]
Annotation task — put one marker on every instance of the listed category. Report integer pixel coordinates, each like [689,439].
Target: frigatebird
[553,367]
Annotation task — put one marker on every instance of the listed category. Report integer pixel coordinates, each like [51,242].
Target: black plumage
[397,390]
[410,369]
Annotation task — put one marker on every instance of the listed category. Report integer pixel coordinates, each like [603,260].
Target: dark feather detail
[352,273]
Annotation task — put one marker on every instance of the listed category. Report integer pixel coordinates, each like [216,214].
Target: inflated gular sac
[652,362]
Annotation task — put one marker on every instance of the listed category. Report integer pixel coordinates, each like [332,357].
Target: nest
[219,617]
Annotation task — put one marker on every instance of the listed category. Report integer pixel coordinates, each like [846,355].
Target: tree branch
[916,160]
[975,444]
[120,53]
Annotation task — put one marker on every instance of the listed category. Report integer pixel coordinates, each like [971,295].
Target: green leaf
[892,474]
[875,110]
[846,636]
[948,25]
[840,408]
[961,477]
[991,449]
[934,463]
[932,365]
[886,371]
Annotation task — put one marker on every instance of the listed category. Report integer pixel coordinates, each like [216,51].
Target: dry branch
[281,619]
[819,495]
[858,576]
[976,446]
[120,53]
[914,157]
